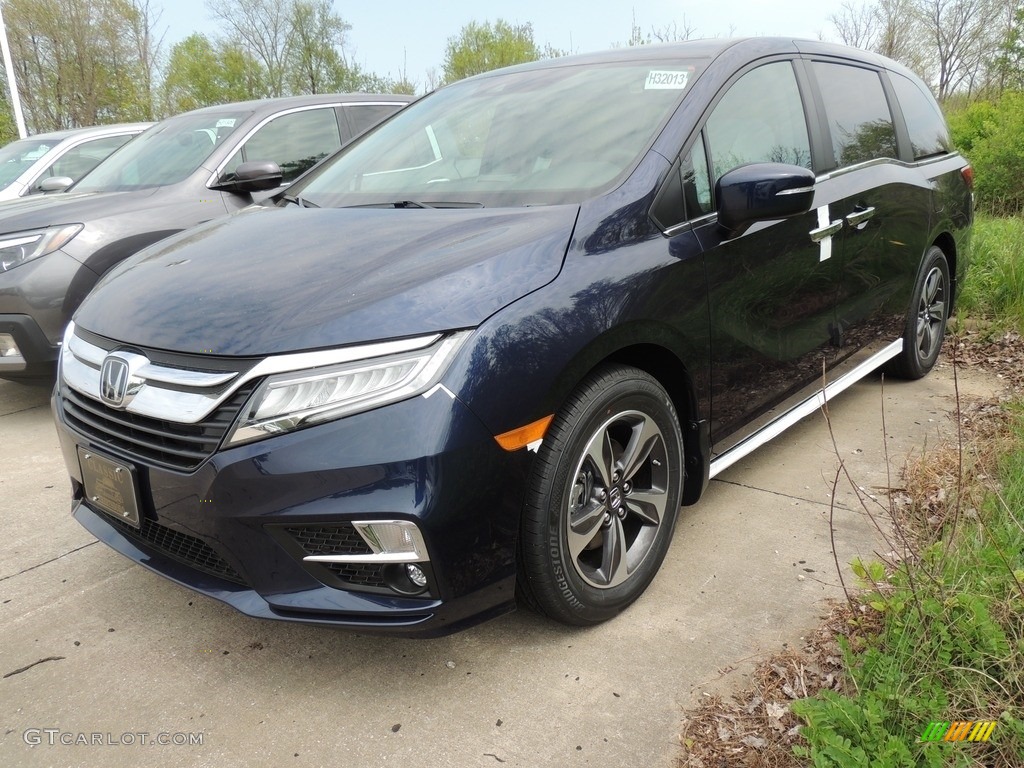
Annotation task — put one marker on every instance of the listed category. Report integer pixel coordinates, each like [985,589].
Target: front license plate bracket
[110,486]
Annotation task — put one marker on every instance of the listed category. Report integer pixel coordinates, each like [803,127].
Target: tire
[926,320]
[603,498]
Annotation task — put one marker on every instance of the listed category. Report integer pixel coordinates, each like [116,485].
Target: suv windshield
[17,156]
[539,136]
[165,154]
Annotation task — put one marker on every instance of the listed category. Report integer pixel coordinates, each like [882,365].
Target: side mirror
[762,192]
[254,176]
[55,184]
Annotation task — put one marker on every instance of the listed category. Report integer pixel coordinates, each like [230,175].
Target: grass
[993,291]
[951,642]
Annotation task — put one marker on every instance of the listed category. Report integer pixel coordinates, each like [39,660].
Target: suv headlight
[289,401]
[20,247]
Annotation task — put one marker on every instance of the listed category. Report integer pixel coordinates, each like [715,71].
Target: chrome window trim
[305,108]
[80,363]
[776,427]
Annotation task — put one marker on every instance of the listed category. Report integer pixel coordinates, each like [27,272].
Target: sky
[390,36]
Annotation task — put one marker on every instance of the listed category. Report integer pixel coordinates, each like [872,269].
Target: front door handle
[858,217]
[832,228]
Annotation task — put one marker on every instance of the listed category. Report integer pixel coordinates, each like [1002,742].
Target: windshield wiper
[299,201]
[412,204]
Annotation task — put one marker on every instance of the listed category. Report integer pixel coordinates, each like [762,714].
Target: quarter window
[760,120]
[927,127]
[77,162]
[858,113]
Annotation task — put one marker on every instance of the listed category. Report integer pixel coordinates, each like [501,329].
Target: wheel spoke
[584,527]
[613,558]
[644,438]
[602,456]
[649,506]
[926,335]
[937,311]
[932,284]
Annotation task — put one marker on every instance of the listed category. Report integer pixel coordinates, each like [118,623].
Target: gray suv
[185,170]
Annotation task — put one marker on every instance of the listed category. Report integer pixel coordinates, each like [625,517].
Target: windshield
[165,154]
[17,156]
[544,136]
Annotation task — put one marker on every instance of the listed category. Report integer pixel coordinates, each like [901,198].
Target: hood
[275,280]
[36,211]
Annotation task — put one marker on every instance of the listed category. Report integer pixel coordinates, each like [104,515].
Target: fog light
[416,575]
[9,352]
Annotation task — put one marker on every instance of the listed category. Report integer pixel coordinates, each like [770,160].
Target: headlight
[290,401]
[19,247]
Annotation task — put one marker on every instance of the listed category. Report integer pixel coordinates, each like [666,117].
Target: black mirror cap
[55,184]
[762,192]
[253,176]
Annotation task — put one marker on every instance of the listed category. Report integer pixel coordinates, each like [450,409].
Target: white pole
[12,84]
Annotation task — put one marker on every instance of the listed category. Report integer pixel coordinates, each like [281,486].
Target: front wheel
[926,321]
[603,498]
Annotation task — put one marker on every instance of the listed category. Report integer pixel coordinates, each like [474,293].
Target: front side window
[760,120]
[927,128]
[858,113]
[296,142]
[77,162]
[165,154]
[18,156]
[550,135]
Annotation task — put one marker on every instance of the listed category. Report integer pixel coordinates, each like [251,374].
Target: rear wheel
[926,321]
[604,498]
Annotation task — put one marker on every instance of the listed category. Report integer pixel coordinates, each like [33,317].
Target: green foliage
[201,73]
[82,63]
[8,129]
[483,47]
[991,135]
[951,647]
[994,287]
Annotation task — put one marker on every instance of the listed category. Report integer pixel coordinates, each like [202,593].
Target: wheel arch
[667,367]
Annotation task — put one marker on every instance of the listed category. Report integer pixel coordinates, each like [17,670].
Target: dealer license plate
[109,486]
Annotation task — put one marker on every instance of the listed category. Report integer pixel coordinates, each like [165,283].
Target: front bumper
[36,301]
[228,528]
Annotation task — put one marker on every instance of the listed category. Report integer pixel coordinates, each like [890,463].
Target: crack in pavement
[47,562]
[24,410]
[34,663]
[838,505]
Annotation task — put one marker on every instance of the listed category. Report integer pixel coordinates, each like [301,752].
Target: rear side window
[858,113]
[364,116]
[77,162]
[760,120]
[927,127]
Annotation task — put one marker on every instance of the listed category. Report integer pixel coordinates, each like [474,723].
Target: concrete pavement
[127,656]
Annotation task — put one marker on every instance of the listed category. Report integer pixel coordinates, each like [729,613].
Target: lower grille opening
[179,546]
[335,539]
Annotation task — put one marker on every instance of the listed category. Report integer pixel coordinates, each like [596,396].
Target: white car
[26,164]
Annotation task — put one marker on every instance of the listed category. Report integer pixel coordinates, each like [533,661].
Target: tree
[317,59]
[83,62]
[201,73]
[963,33]
[263,28]
[483,47]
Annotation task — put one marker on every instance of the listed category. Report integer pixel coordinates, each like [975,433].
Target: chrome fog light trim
[392,541]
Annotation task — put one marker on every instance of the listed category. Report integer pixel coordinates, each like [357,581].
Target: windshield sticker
[666,79]
[226,122]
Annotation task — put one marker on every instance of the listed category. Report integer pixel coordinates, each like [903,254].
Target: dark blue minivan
[489,350]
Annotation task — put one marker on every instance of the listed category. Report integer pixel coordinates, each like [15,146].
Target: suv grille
[179,546]
[164,443]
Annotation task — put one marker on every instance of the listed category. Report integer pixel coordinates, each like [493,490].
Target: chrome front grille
[157,441]
[178,410]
